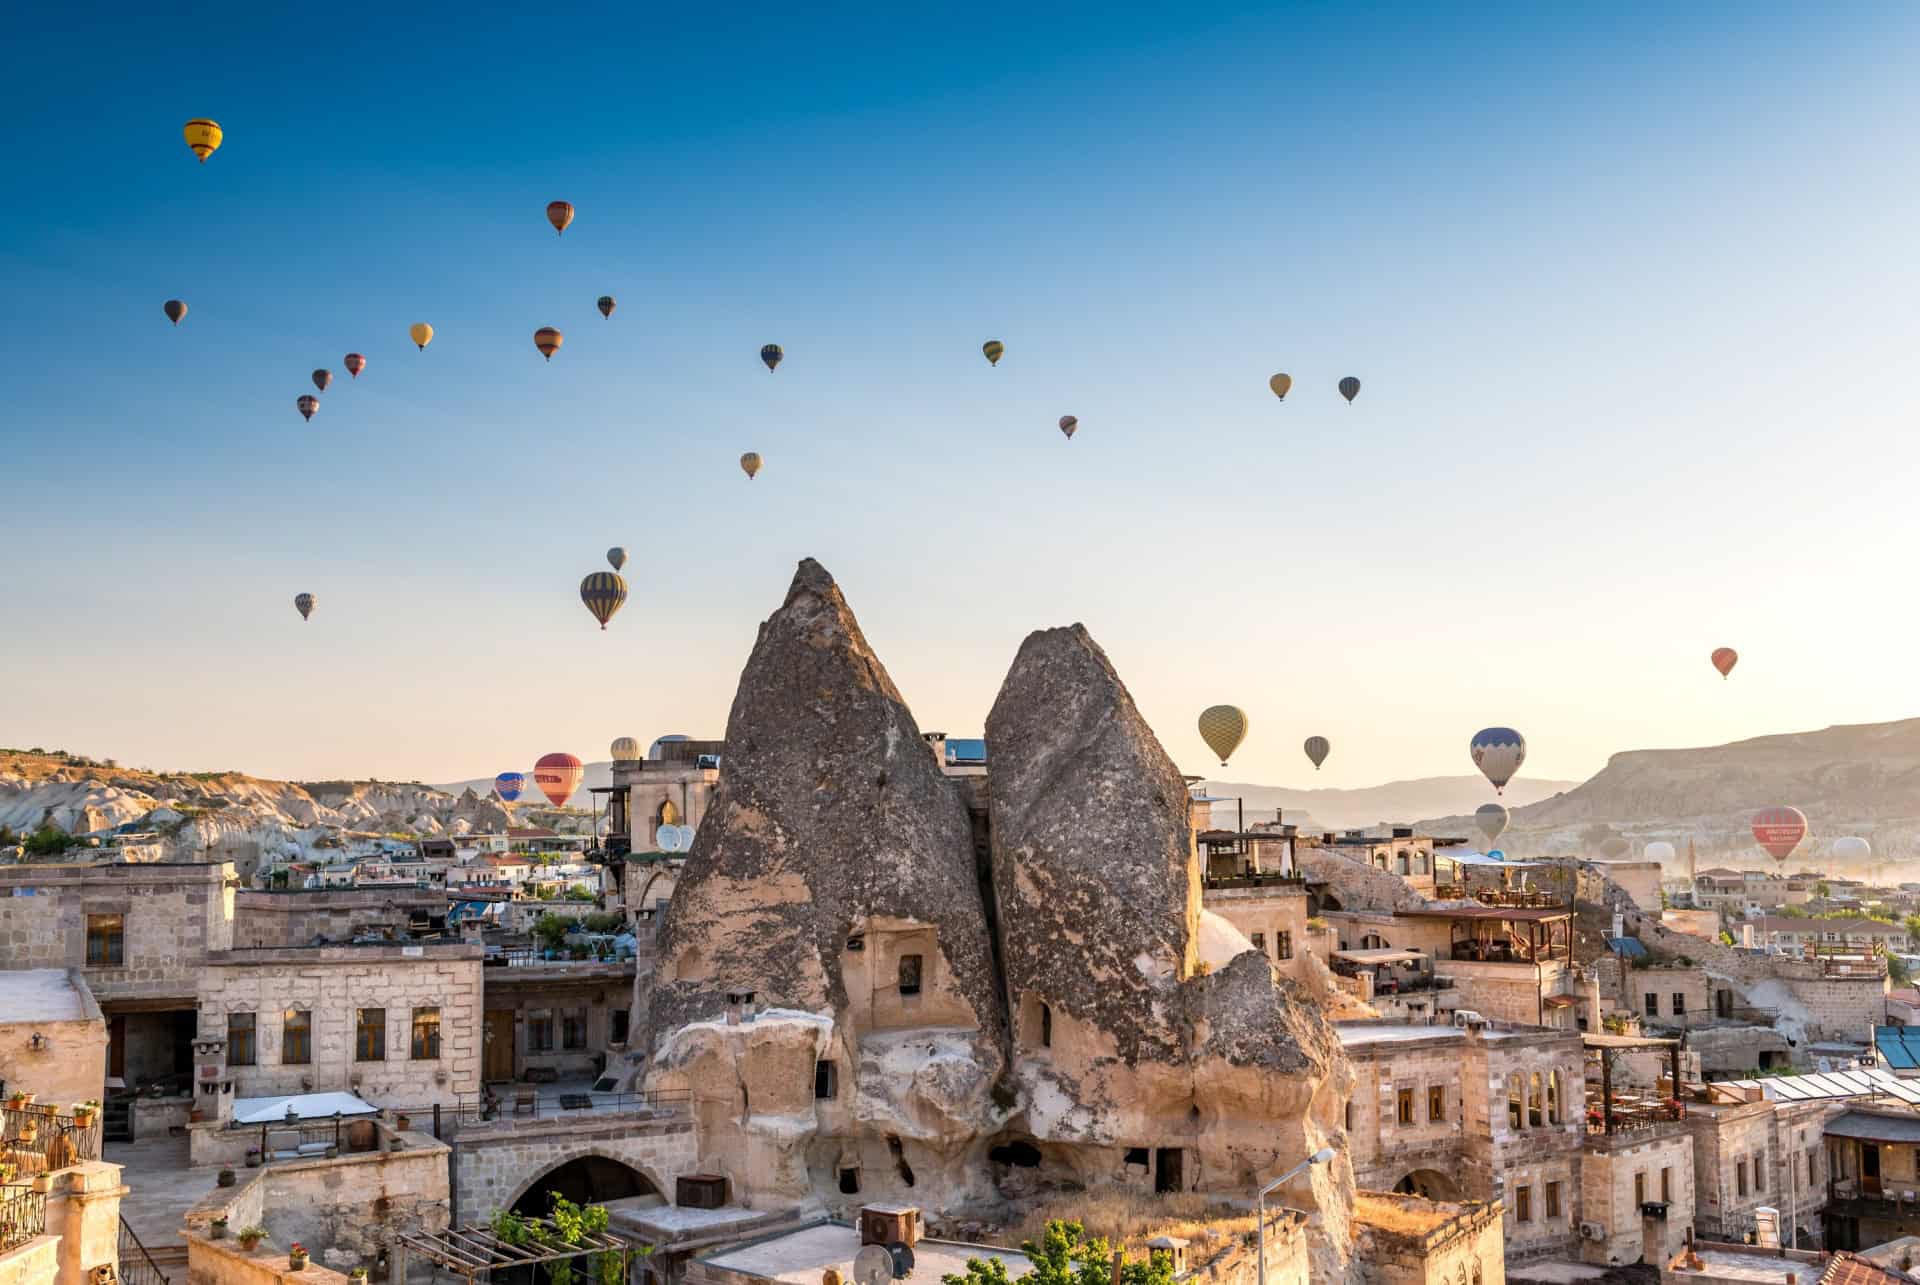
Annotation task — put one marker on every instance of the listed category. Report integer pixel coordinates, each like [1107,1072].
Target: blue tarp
[1630,947]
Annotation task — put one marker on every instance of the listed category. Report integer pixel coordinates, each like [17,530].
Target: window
[825,1081]
[426,1034]
[1523,1204]
[1653,1003]
[296,1037]
[106,941]
[573,1029]
[370,1035]
[1046,1027]
[1349,1115]
[1406,865]
[1740,1177]
[1760,1172]
[617,1026]
[849,1182]
[1283,945]
[1436,1102]
[1260,942]
[239,1039]
[1666,1184]
[1553,1200]
[1406,1106]
[909,974]
[1640,1189]
[1516,1104]
[1536,1103]
[540,1031]
[1679,1004]
[1553,1097]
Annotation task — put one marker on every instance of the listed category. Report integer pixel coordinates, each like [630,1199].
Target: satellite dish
[873,1265]
[1497,855]
[675,838]
[902,1256]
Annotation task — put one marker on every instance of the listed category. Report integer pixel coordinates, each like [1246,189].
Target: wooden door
[499,1039]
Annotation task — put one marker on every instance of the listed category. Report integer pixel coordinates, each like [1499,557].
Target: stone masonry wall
[297,918]
[174,915]
[496,1164]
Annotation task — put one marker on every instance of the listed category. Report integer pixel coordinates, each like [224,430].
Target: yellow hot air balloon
[548,341]
[1223,727]
[1281,385]
[751,463]
[422,334]
[994,350]
[203,136]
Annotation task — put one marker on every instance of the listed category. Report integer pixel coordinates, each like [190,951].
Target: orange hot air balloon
[1779,831]
[354,363]
[548,341]
[1724,659]
[560,214]
[558,776]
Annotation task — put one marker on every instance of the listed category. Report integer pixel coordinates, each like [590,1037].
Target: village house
[1793,935]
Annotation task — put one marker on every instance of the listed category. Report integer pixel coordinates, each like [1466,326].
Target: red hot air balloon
[308,405]
[354,363]
[1779,831]
[558,776]
[1724,659]
[559,213]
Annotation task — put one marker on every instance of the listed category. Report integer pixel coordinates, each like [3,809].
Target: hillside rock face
[834,876]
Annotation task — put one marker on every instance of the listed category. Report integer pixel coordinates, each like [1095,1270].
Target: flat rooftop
[1752,1265]
[1368,1034]
[42,995]
[799,1257]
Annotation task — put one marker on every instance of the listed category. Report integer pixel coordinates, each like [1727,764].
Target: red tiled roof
[531,832]
[1846,1268]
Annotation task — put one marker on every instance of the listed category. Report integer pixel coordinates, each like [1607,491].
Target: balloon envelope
[606,305]
[1492,819]
[510,786]
[322,378]
[303,603]
[558,776]
[1779,830]
[617,558]
[174,310]
[1281,386]
[354,363]
[559,213]
[750,462]
[1349,388]
[548,341]
[772,355]
[1852,848]
[1223,727]
[604,593]
[203,136]
[1317,748]
[1067,424]
[1724,659]
[1615,848]
[308,404]
[421,333]
[994,350]
[1498,752]
[625,749]
[1659,850]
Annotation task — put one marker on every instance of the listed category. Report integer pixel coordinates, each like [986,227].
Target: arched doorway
[585,1180]
[1428,1183]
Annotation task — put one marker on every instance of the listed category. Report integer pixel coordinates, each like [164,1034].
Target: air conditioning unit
[1467,1017]
[1592,1231]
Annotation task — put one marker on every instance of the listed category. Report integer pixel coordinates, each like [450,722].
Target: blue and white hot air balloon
[509,786]
[1498,752]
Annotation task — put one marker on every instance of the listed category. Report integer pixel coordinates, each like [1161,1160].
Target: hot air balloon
[772,355]
[558,776]
[1498,752]
[308,404]
[1779,831]
[1492,819]
[509,786]
[606,305]
[750,462]
[1317,748]
[321,378]
[1724,659]
[1281,386]
[1614,848]
[421,333]
[1067,424]
[1659,850]
[994,350]
[354,363]
[1349,388]
[1852,848]
[548,341]
[203,136]
[617,558]
[1223,727]
[560,214]
[174,310]
[604,592]
[303,603]
[625,749]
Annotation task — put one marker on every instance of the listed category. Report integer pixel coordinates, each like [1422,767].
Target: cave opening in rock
[900,1164]
[849,1182]
[826,1080]
[1166,1171]
[1023,1155]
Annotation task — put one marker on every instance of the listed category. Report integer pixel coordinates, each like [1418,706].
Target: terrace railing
[23,1215]
[136,1264]
[41,1139]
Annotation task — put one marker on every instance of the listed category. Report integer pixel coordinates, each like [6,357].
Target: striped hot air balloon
[510,786]
[560,214]
[548,341]
[1223,727]
[750,464]
[604,593]
[322,378]
[994,350]
[1317,748]
[203,136]
[308,404]
[1349,388]
[773,355]
[1068,423]
[303,603]
[558,776]
[354,363]
[1779,830]
[1498,752]
[625,749]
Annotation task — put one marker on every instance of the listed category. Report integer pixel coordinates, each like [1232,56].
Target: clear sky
[1632,292]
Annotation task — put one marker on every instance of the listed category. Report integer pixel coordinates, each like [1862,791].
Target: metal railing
[41,1139]
[23,1215]
[1633,1117]
[136,1264]
[526,1103]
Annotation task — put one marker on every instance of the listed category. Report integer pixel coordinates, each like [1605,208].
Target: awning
[306,1106]
[1875,1127]
[1380,956]
[1560,1001]
[1481,859]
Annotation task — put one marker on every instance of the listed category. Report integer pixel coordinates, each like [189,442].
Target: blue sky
[1630,291]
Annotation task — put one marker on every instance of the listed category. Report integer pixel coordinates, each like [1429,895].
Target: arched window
[1406,865]
[1553,1097]
[668,814]
[1516,1105]
[1536,1103]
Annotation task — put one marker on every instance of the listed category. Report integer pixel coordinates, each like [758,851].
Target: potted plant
[253,1157]
[218,1230]
[359,1275]
[297,1257]
[250,1237]
[83,1113]
[30,1129]
[8,1172]
[403,1122]
[18,1100]
[227,1178]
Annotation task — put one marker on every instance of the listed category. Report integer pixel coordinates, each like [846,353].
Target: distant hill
[600,774]
[1394,803]
[1862,779]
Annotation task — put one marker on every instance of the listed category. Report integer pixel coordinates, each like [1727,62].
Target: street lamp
[1319,1157]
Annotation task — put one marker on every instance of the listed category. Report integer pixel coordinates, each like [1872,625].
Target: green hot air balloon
[1223,727]
[604,593]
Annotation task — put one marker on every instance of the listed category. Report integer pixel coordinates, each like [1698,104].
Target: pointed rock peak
[811,577]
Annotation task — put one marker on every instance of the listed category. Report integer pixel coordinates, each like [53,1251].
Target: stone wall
[298,918]
[223,1262]
[174,914]
[1273,916]
[83,1210]
[1409,1241]
[593,991]
[332,983]
[72,1064]
[497,1163]
[1613,1171]
[1733,1174]
[35,1263]
[1507,992]
[1500,1157]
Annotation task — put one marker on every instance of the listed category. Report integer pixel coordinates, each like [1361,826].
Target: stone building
[53,1039]
[555,1020]
[1410,1241]
[1751,1152]
[306,917]
[63,1228]
[397,1025]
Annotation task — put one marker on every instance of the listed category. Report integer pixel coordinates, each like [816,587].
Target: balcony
[1631,1113]
[23,1215]
[37,1139]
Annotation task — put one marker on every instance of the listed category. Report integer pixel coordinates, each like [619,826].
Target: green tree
[579,892]
[1822,890]
[1065,1256]
[48,841]
[550,930]
[1912,922]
